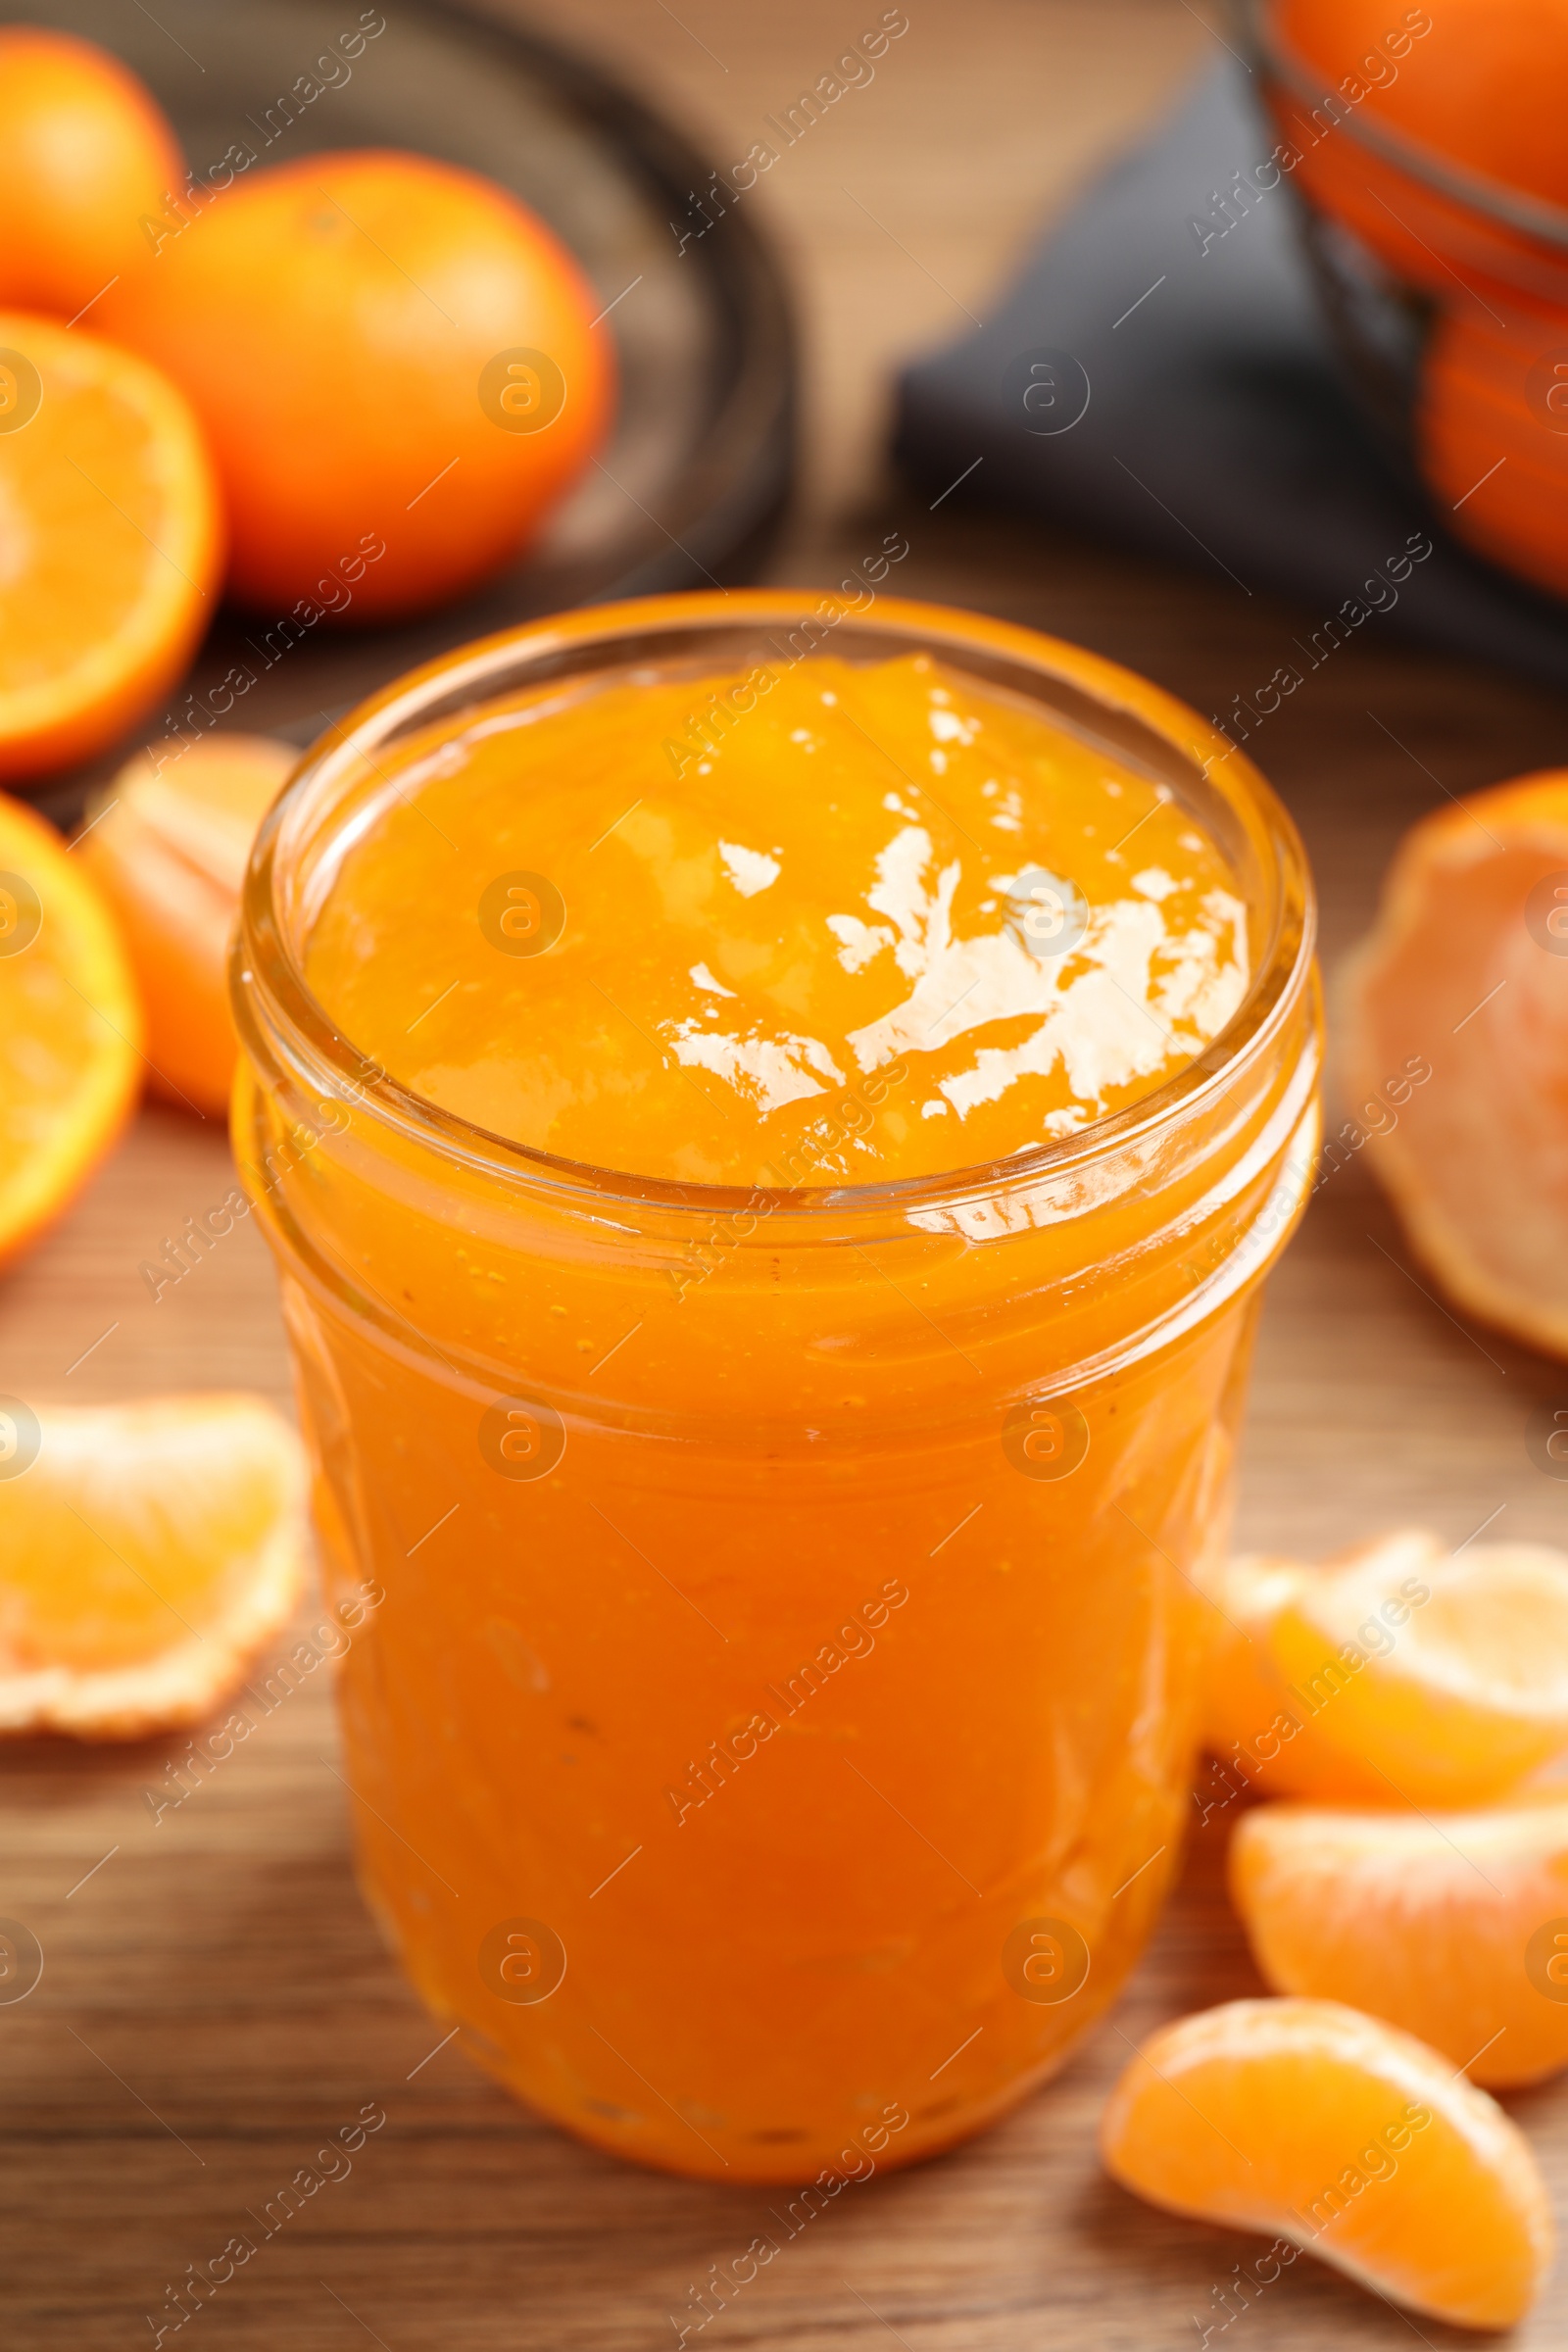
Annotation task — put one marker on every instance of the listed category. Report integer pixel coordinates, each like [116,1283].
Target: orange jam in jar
[772,1123]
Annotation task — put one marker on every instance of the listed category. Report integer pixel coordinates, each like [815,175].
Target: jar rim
[275,1005]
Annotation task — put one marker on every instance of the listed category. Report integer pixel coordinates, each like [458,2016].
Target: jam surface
[840,924]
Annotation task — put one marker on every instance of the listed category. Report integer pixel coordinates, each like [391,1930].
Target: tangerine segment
[110,545]
[1450,1681]
[1253,1720]
[71,1027]
[1457,1925]
[1465,977]
[1308,2120]
[84,154]
[146,1551]
[169,847]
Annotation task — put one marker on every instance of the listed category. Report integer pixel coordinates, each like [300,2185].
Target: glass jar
[777,1633]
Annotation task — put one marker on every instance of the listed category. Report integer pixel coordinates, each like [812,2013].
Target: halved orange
[1454,1926]
[169,842]
[1332,2131]
[110,542]
[1464,980]
[1449,1683]
[71,1027]
[146,1553]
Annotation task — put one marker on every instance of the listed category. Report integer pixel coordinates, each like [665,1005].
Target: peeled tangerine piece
[1464,977]
[1315,2124]
[1457,1925]
[170,846]
[1250,1721]
[1398,1674]
[146,1553]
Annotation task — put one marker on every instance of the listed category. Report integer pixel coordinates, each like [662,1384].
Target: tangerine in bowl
[1425,149]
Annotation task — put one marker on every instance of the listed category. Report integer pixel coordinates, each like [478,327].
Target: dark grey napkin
[1220,426]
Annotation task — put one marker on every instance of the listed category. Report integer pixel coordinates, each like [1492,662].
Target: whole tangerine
[398,367]
[1482,83]
[85,152]
[1492,436]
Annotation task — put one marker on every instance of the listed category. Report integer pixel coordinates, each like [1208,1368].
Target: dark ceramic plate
[696,478]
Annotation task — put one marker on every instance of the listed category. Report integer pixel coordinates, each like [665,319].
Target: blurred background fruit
[1380,108]
[168,846]
[1431,140]
[84,154]
[110,542]
[149,1550]
[1476,82]
[71,1027]
[397,367]
[1491,435]
[1467,967]
[450,422]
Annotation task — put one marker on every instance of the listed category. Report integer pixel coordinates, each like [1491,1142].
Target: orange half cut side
[110,542]
[71,1027]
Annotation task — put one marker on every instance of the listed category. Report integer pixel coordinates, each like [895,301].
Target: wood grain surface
[214,1999]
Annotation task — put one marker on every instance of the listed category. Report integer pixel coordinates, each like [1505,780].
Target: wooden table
[214,1999]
